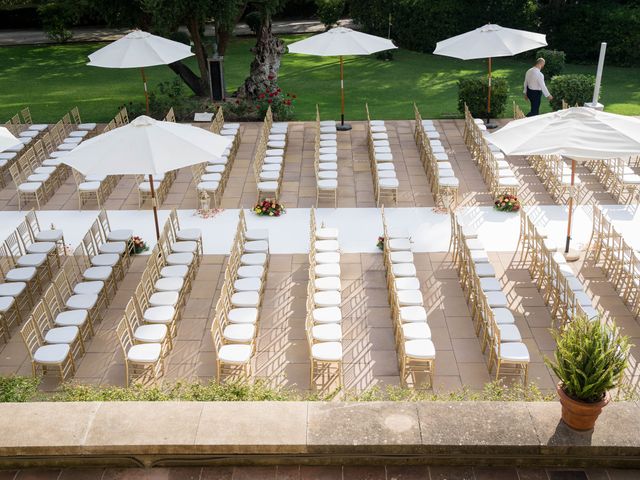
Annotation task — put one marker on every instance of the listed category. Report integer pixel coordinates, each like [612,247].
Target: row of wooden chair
[618,178]
[20,281]
[554,278]
[268,163]
[235,326]
[326,160]
[414,345]
[618,259]
[555,175]
[494,322]
[64,319]
[383,170]
[121,118]
[323,323]
[212,177]
[151,316]
[434,158]
[38,171]
[495,170]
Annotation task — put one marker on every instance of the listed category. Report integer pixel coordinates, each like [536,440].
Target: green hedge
[473,91]
[554,62]
[577,28]
[420,24]
[573,89]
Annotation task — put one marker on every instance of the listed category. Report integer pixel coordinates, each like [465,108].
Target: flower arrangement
[507,203]
[268,208]
[271,95]
[380,243]
[139,245]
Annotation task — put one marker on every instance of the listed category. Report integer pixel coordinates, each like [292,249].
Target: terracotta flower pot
[580,415]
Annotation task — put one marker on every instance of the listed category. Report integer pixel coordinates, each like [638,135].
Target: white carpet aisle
[359,227]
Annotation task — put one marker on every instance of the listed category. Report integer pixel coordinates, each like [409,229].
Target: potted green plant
[590,359]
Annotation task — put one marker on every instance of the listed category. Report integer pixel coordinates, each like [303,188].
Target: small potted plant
[507,203]
[380,243]
[590,360]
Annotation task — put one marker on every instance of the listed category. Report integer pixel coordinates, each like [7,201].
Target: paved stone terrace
[302,472]
[370,358]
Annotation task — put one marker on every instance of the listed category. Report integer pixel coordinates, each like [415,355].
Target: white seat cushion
[51,354]
[327,299]
[245,299]
[490,284]
[327,270]
[328,283]
[249,271]
[239,332]
[162,314]
[160,299]
[396,244]
[23,274]
[41,247]
[6,303]
[81,302]
[31,260]
[179,271]
[514,351]
[184,258]
[407,283]
[403,256]
[12,289]
[247,285]
[327,257]
[327,315]
[237,354]
[88,288]
[497,299]
[503,316]
[416,331]
[403,269]
[422,349]
[121,235]
[410,298]
[256,246]
[97,273]
[253,259]
[413,314]
[150,333]
[485,270]
[327,351]
[171,284]
[327,245]
[145,353]
[105,260]
[61,335]
[243,315]
[74,318]
[327,332]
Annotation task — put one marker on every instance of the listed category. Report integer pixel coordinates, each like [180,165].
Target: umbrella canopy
[7,139]
[490,41]
[579,133]
[338,42]
[146,147]
[341,41]
[139,49]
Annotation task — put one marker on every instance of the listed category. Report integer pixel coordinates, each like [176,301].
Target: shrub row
[574,27]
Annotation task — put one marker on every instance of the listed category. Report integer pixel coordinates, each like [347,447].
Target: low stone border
[176,433]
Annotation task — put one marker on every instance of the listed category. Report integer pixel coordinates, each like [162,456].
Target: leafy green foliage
[330,11]
[474,90]
[166,95]
[443,17]
[579,27]
[57,19]
[573,89]
[18,389]
[590,358]
[253,20]
[554,62]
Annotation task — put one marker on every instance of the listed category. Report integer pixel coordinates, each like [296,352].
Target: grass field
[52,79]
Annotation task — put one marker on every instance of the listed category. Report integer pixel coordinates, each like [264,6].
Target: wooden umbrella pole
[146,93]
[341,91]
[155,207]
[573,177]
[489,95]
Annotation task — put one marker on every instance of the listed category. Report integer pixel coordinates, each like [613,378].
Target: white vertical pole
[596,90]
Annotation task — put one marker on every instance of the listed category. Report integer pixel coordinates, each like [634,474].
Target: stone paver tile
[451,473]
[370,472]
[217,473]
[254,473]
[324,472]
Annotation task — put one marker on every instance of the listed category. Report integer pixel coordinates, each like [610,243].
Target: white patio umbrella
[7,139]
[339,42]
[579,133]
[490,41]
[146,147]
[139,49]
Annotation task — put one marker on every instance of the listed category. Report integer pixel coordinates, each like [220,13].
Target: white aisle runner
[359,227]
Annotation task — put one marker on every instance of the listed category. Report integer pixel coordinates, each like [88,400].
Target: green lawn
[52,79]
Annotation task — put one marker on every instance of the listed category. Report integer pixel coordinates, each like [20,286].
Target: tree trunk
[200,51]
[224,31]
[191,79]
[266,62]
